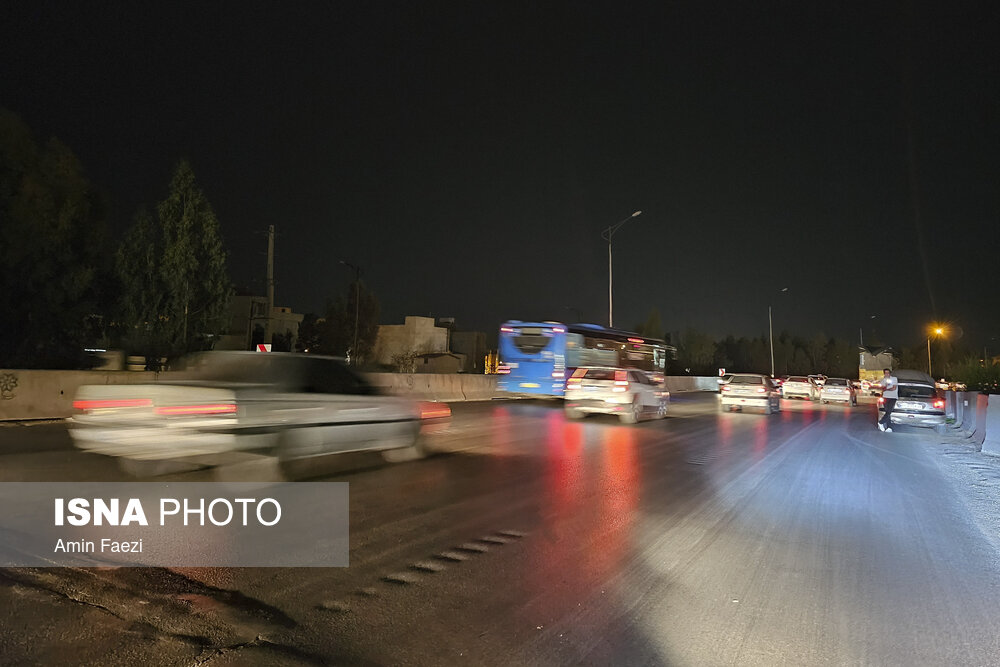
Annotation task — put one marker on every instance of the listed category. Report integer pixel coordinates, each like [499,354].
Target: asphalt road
[800,538]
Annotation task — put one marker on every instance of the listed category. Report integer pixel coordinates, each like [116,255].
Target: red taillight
[726,387]
[117,403]
[204,409]
[881,401]
[506,330]
[503,370]
[939,403]
[434,410]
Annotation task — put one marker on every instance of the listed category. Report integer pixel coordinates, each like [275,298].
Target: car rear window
[836,382]
[747,379]
[600,374]
[916,391]
[798,379]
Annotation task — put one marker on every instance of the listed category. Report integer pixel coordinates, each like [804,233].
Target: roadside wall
[991,441]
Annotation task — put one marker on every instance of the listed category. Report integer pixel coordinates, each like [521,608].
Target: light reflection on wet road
[800,538]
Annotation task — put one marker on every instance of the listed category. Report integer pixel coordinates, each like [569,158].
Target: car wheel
[633,414]
[573,414]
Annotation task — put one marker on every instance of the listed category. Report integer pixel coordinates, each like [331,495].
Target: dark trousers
[890,403]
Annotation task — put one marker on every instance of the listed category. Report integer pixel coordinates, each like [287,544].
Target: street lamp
[770,333]
[607,234]
[357,302]
[934,330]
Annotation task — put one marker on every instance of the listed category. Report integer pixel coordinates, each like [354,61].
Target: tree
[696,350]
[196,284]
[176,287]
[51,239]
[653,326]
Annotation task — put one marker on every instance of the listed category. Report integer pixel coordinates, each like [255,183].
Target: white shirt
[889,387]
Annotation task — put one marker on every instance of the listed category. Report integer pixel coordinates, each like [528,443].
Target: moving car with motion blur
[919,403]
[724,380]
[628,393]
[800,386]
[751,390]
[292,406]
[838,390]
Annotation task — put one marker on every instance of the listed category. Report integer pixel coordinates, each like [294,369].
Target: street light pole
[770,333]
[929,357]
[357,304]
[607,234]
[770,338]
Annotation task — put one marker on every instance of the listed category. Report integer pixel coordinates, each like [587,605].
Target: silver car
[750,390]
[630,394]
[800,386]
[919,403]
[292,406]
[838,390]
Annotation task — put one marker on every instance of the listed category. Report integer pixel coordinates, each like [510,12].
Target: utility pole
[606,235]
[270,283]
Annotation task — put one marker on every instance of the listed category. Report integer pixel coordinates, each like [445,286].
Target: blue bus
[537,357]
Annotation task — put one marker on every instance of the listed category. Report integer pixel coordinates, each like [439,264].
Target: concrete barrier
[959,404]
[979,434]
[991,441]
[949,405]
[681,383]
[968,425]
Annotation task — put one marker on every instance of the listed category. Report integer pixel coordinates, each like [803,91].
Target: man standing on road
[890,393]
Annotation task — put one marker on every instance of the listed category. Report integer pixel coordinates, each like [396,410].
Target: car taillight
[726,387]
[881,401]
[434,410]
[503,370]
[203,409]
[761,390]
[115,403]
[939,403]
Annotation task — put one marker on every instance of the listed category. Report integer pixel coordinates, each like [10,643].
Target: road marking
[426,566]
[401,578]
[472,548]
[451,555]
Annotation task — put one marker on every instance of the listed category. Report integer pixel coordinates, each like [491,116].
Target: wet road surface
[800,538]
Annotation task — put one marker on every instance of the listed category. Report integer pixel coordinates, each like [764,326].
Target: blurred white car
[291,405]
[750,390]
[630,394]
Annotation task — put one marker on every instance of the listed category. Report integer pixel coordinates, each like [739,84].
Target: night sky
[468,155]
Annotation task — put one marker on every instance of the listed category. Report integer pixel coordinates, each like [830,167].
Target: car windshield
[836,382]
[917,391]
[747,379]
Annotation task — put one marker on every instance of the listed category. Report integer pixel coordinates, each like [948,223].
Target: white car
[293,406]
[628,393]
[838,390]
[750,390]
[800,386]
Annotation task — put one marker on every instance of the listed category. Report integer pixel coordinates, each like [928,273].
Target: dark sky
[468,155]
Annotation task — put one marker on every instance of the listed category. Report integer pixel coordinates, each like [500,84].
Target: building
[248,312]
[417,335]
[472,345]
[439,362]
